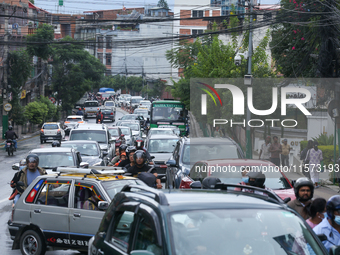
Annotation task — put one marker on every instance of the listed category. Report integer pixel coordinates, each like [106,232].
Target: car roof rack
[270,194]
[92,170]
[159,195]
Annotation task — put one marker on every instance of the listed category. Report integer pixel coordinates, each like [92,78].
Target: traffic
[123,175]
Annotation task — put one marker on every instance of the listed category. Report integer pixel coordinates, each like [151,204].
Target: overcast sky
[79,6]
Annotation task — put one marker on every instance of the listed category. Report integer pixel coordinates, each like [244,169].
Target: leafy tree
[32,1]
[163,4]
[134,83]
[38,44]
[52,109]
[36,112]
[155,89]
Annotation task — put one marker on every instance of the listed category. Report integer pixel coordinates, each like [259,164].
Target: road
[6,175]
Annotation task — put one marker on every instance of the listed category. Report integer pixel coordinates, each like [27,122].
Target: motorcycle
[147,128]
[10,147]
[99,120]
[120,140]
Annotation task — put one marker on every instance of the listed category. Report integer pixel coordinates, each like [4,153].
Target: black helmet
[55,144]
[259,177]
[332,205]
[210,182]
[32,158]
[130,149]
[139,143]
[303,181]
[122,148]
[139,154]
[10,127]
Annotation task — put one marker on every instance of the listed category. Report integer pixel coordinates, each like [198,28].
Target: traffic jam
[124,175]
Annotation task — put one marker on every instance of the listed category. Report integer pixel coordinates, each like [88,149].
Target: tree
[163,4]
[39,43]
[155,89]
[36,112]
[134,83]
[52,109]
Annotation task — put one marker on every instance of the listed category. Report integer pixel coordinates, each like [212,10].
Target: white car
[51,131]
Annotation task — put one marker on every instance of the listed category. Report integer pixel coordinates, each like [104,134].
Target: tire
[44,141]
[41,141]
[31,243]
[12,152]
[9,152]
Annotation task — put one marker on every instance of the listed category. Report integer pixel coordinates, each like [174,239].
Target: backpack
[148,178]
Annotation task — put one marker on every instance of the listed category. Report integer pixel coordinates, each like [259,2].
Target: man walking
[275,150]
[264,152]
[285,153]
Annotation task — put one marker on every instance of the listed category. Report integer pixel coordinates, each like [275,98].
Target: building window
[197,14]
[100,42]
[100,57]
[108,42]
[108,59]
[197,31]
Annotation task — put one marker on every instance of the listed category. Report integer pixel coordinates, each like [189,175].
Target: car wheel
[41,141]
[31,243]
[44,141]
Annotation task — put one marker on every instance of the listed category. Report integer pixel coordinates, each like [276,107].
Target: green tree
[52,109]
[36,112]
[155,89]
[39,43]
[134,83]
[163,4]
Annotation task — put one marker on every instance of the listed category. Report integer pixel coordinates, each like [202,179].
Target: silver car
[127,134]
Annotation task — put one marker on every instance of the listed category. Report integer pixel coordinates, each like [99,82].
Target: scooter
[10,147]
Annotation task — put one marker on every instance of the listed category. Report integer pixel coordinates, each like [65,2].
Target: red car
[229,171]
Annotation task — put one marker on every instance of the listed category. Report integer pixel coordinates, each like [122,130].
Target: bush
[328,154]
[323,139]
[303,144]
[17,114]
[36,112]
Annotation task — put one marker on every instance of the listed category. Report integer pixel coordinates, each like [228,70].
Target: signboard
[52,100]
[168,105]
[61,2]
[23,94]
[7,107]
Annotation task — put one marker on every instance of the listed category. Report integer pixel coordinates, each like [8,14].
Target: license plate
[8,144]
[50,138]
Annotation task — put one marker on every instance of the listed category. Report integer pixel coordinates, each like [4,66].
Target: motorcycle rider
[304,190]
[122,148]
[55,144]
[10,134]
[139,144]
[99,117]
[80,112]
[130,152]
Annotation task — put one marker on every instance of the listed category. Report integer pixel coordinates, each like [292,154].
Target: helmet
[55,144]
[122,148]
[332,205]
[130,149]
[139,143]
[32,158]
[303,181]
[210,182]
[139,154]
[79,109]
[259,177]
[10,127]
[23,162]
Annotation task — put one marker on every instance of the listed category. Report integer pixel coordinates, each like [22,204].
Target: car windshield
[162,145]
[160,132]
[55,159]
[85,149]
[113,187]
[233,174]
[198,152]
[92,135]
[247,231]
[50,126]
[136,100]
[114,132]
[105,95]
[73,119]
[129,117]
[125,131]
[109,103]
[91,104]
[167,113]
[132,126]
[106,112]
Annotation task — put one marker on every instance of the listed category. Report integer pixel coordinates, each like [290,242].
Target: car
[108,114]
[51,214]
[111,105]
[140,118]
[51,131]
[90,151]
[143,220]
[90,108]
[204,148]
[93,132]
[175,129]
[145,104]
[53,157]
[116,134]
[129,138]
[71,121]
[229,171]
[134,101]
[161,131]
[142,112]
[161,147]
[134,126]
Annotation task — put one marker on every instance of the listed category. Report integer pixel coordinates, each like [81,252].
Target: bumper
[50,137]
[14,229]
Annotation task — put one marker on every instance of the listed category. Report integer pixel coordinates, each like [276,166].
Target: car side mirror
[323,237]
[292,182]
[286,200]
[334,250]
[103,205]
[84,165]
[196,185]
[112,140]
[171,163]
[105,153]
[16,166]
[141,252]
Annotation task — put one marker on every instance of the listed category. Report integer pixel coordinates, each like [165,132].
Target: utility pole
[249,149]
[143,80]
[5,85]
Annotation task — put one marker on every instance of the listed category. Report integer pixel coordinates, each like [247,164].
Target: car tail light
[84,108]
[66,122]
[80,121]
[58,131]
[111,113]
[163,166]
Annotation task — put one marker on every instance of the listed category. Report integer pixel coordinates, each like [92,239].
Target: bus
[168,113]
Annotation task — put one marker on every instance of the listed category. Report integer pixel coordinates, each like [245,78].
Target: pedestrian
[304,191]
[275,150]
[330,225]
[264,151]
[314,156]
[285,153]
[317,211]
[303,155]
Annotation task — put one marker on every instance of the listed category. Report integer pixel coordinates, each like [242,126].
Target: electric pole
[5,84]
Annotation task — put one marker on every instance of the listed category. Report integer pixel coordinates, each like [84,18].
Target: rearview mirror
[196,185]
[171,163]
[84,165]
[16,166]
[103,205]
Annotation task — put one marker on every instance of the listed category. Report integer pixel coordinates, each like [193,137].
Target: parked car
[93,132]
[51,213]
[204,148]
[230,171]
[51,131]
[89,150]
[143,220]
[71,121]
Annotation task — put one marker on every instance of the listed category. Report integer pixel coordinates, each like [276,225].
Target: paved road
[6,174]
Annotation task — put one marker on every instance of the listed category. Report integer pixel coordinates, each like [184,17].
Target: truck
[90,108]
